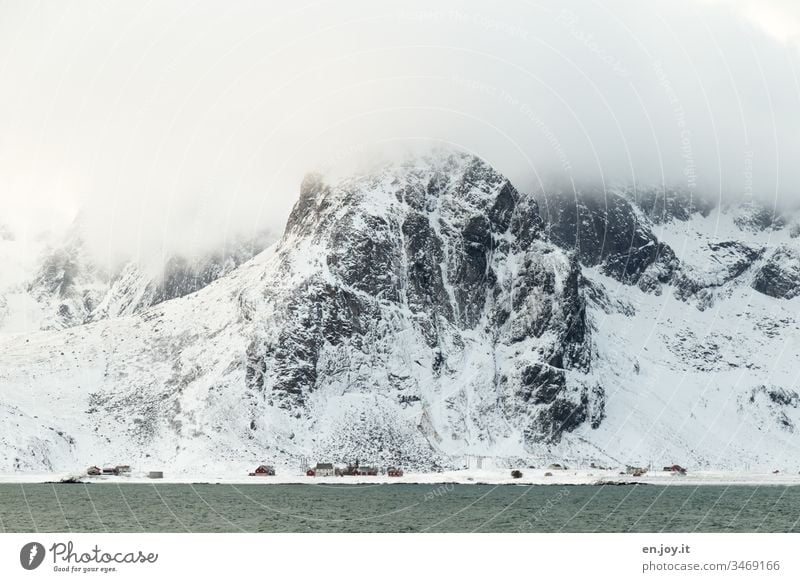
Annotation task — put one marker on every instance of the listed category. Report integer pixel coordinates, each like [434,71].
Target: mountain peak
[424,310]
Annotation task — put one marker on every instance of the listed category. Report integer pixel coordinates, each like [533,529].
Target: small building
[93,471]
[110,471]
[155,475]
[357,469]
[675,469]
[324,470]
[394,472]
[263,471]
[635,471]
[123,469]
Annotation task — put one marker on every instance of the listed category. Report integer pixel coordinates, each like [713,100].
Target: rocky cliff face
[613,232]
[618,232]
[401,277]
[423,312]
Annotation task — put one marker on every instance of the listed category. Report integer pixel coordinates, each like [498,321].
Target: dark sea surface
[396,508]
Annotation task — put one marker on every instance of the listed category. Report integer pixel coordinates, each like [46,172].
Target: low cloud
[172,128]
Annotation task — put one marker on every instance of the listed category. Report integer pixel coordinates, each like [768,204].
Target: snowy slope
[115,386]
[427,311]
[703,367]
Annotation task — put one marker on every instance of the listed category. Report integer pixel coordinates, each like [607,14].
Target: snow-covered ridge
[427,311]
[55,282]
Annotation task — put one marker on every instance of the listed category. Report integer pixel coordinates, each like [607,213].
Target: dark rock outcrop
[755,216]
[779,276]
[441,256]
[607,230]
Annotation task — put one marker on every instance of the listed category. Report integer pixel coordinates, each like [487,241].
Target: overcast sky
[173,125]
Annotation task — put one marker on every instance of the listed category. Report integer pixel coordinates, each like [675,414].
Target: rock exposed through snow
[420,313]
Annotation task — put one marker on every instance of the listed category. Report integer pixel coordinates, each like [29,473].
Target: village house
[324,470]
[357,469]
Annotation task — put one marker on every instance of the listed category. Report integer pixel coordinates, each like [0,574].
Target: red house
[264,471]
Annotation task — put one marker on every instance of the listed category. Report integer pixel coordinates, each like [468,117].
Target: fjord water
[396,508]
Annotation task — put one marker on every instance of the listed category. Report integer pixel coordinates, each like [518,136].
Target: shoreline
[531,477]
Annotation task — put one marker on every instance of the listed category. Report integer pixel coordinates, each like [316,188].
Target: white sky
[175,124]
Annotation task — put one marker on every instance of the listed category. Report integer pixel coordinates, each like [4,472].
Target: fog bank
[173,127]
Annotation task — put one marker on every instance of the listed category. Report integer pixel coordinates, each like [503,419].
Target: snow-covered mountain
[428,310]
[55,282]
